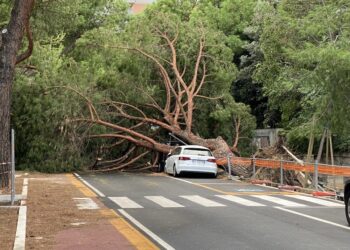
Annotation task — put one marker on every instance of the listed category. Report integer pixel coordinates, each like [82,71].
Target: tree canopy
[306,62]
[102,80]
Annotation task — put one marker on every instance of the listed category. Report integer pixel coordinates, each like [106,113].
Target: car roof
[193,146]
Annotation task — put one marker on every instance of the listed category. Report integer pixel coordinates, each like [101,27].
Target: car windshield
[196,151]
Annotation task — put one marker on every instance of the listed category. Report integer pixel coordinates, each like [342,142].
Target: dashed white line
[86,203]
[241,201]
[125,202]
[279,201]
[317,201]
[163,202]
[202,201]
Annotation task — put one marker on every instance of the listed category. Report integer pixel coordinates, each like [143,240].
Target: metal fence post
[13,191]
[316,175]
[229,166]
[281,172]
[254,170]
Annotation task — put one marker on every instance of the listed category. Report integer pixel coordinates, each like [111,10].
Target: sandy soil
[54,220]
[8,222]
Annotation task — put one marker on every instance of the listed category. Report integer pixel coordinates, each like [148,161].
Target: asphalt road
[195,212]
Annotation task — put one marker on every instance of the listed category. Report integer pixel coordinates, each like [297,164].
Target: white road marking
[86,203]
[125,202]
[20,239]
[279,201]
[163,202]
[214,183]
[241,201]
[249,190]
[25,181]
[317,201]
[313,218]
[155,237]
[90,186]
[25,189]
[178,179]
[202,201]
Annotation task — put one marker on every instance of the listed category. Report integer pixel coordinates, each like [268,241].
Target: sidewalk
[62,213]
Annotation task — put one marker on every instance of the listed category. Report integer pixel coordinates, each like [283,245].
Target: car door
[169,163]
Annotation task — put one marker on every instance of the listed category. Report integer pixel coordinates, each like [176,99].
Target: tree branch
[125,164]
[29,50]
[91,107]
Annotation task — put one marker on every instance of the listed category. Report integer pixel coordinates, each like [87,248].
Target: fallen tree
[182,79]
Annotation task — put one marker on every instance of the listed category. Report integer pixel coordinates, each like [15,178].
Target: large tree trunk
[10,43]
[219,146]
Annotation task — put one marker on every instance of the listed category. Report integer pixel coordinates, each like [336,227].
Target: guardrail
[331,176]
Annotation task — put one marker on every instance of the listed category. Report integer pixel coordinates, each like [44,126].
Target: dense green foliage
[271,64]
[306,67]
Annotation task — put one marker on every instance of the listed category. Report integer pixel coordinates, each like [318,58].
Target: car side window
[176,151]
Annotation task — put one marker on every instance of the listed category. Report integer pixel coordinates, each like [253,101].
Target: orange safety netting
[307,167]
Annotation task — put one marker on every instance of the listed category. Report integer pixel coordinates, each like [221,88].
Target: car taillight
[183,158]
[212,160]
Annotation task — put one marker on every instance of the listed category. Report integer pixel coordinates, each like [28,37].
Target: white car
[191,158]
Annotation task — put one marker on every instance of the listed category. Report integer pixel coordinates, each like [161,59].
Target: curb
[131,234]
[322,194]
[20,240]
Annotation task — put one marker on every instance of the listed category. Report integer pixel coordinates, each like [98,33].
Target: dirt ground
[8,222]
[53,219]
[8,216]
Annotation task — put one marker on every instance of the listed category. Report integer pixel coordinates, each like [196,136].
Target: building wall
[266,137]
[138,6]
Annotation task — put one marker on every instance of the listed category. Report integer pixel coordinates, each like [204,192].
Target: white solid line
[20,239]
[25,188]
[146,230]
[279,201]
[202,201]
[163,202]
[24,192]
[180,180]
[90,186]
[241,201]
[316,200]
[125,202]
[314,218]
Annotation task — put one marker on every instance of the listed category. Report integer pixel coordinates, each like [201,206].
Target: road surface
[196,212]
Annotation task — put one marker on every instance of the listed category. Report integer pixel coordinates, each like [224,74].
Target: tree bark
[11,40]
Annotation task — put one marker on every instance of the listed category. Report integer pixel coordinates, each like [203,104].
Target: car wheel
[347,208]
[174,172]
